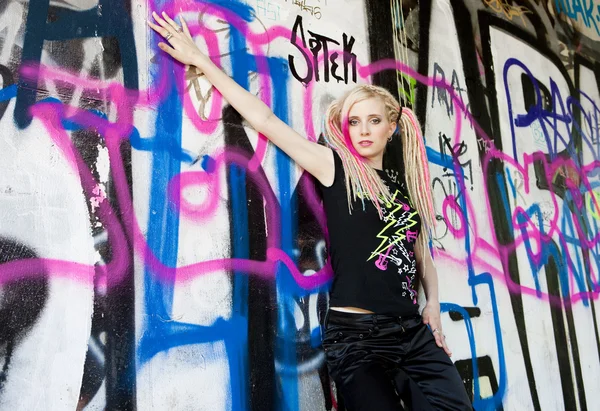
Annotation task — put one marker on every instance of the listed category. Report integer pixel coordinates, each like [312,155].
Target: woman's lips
[365,143]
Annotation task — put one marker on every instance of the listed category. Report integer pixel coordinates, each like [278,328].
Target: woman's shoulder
[338,174]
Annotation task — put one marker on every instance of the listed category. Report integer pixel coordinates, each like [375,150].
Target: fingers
[186,29]
[166,48]
[169,27]
[179,43]
[438,338]
[173,25]
[163,23]
[446,349]
[163,32]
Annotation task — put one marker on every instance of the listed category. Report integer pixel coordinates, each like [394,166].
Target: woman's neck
[376,163]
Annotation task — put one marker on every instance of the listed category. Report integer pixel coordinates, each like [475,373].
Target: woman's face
[370,129]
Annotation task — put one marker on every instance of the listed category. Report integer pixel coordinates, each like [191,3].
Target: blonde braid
[417,173]
[361,179]
[416,166]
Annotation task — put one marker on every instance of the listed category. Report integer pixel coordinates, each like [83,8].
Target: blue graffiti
[159,335]
[8,92]
[548,119]
[562,112]
[113,21]
[494,402]
[571,218]
[591,139]
[580,10]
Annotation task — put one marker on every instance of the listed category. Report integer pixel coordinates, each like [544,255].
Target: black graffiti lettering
[456,152]
[334,66]
[349,57]
[291,59]
[456,85]
[313,10]
[319,46]
[442,94]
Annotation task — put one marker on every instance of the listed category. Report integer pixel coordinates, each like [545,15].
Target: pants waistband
[342,317]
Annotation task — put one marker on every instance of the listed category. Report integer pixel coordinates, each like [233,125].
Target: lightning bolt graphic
[404,222]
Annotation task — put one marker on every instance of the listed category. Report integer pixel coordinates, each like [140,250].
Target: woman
[378,348]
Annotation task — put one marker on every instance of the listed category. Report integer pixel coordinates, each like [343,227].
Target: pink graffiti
[503,252]
[127,235]
[450,203]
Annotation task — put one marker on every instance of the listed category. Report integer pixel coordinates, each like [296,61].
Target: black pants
[376,360]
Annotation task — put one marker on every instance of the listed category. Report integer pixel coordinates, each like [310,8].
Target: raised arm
[429,279]
[312,157]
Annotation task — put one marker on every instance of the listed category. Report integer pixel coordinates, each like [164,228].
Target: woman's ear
[393,128]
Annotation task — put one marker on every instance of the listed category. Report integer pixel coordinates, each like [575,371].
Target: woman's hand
[431,316]
[181,44]
[312,157]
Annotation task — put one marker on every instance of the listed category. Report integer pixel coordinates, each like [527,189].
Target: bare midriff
[351,310]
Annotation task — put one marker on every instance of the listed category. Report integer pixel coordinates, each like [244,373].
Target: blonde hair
[361,179]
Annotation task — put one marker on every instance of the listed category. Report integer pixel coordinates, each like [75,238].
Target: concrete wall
[156,253]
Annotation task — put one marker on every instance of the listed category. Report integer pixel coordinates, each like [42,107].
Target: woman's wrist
[433,302]
[201,61]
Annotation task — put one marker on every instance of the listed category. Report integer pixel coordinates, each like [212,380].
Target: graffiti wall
[158,253]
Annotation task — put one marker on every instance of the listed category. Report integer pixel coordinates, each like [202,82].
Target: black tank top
[373,259]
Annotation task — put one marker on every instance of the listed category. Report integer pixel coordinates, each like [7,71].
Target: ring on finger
[437,330]
[168,36]
[179,30]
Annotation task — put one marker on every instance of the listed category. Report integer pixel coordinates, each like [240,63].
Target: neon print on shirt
[400,220]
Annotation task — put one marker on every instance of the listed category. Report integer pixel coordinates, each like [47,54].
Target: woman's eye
[376,121]
[353,122]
